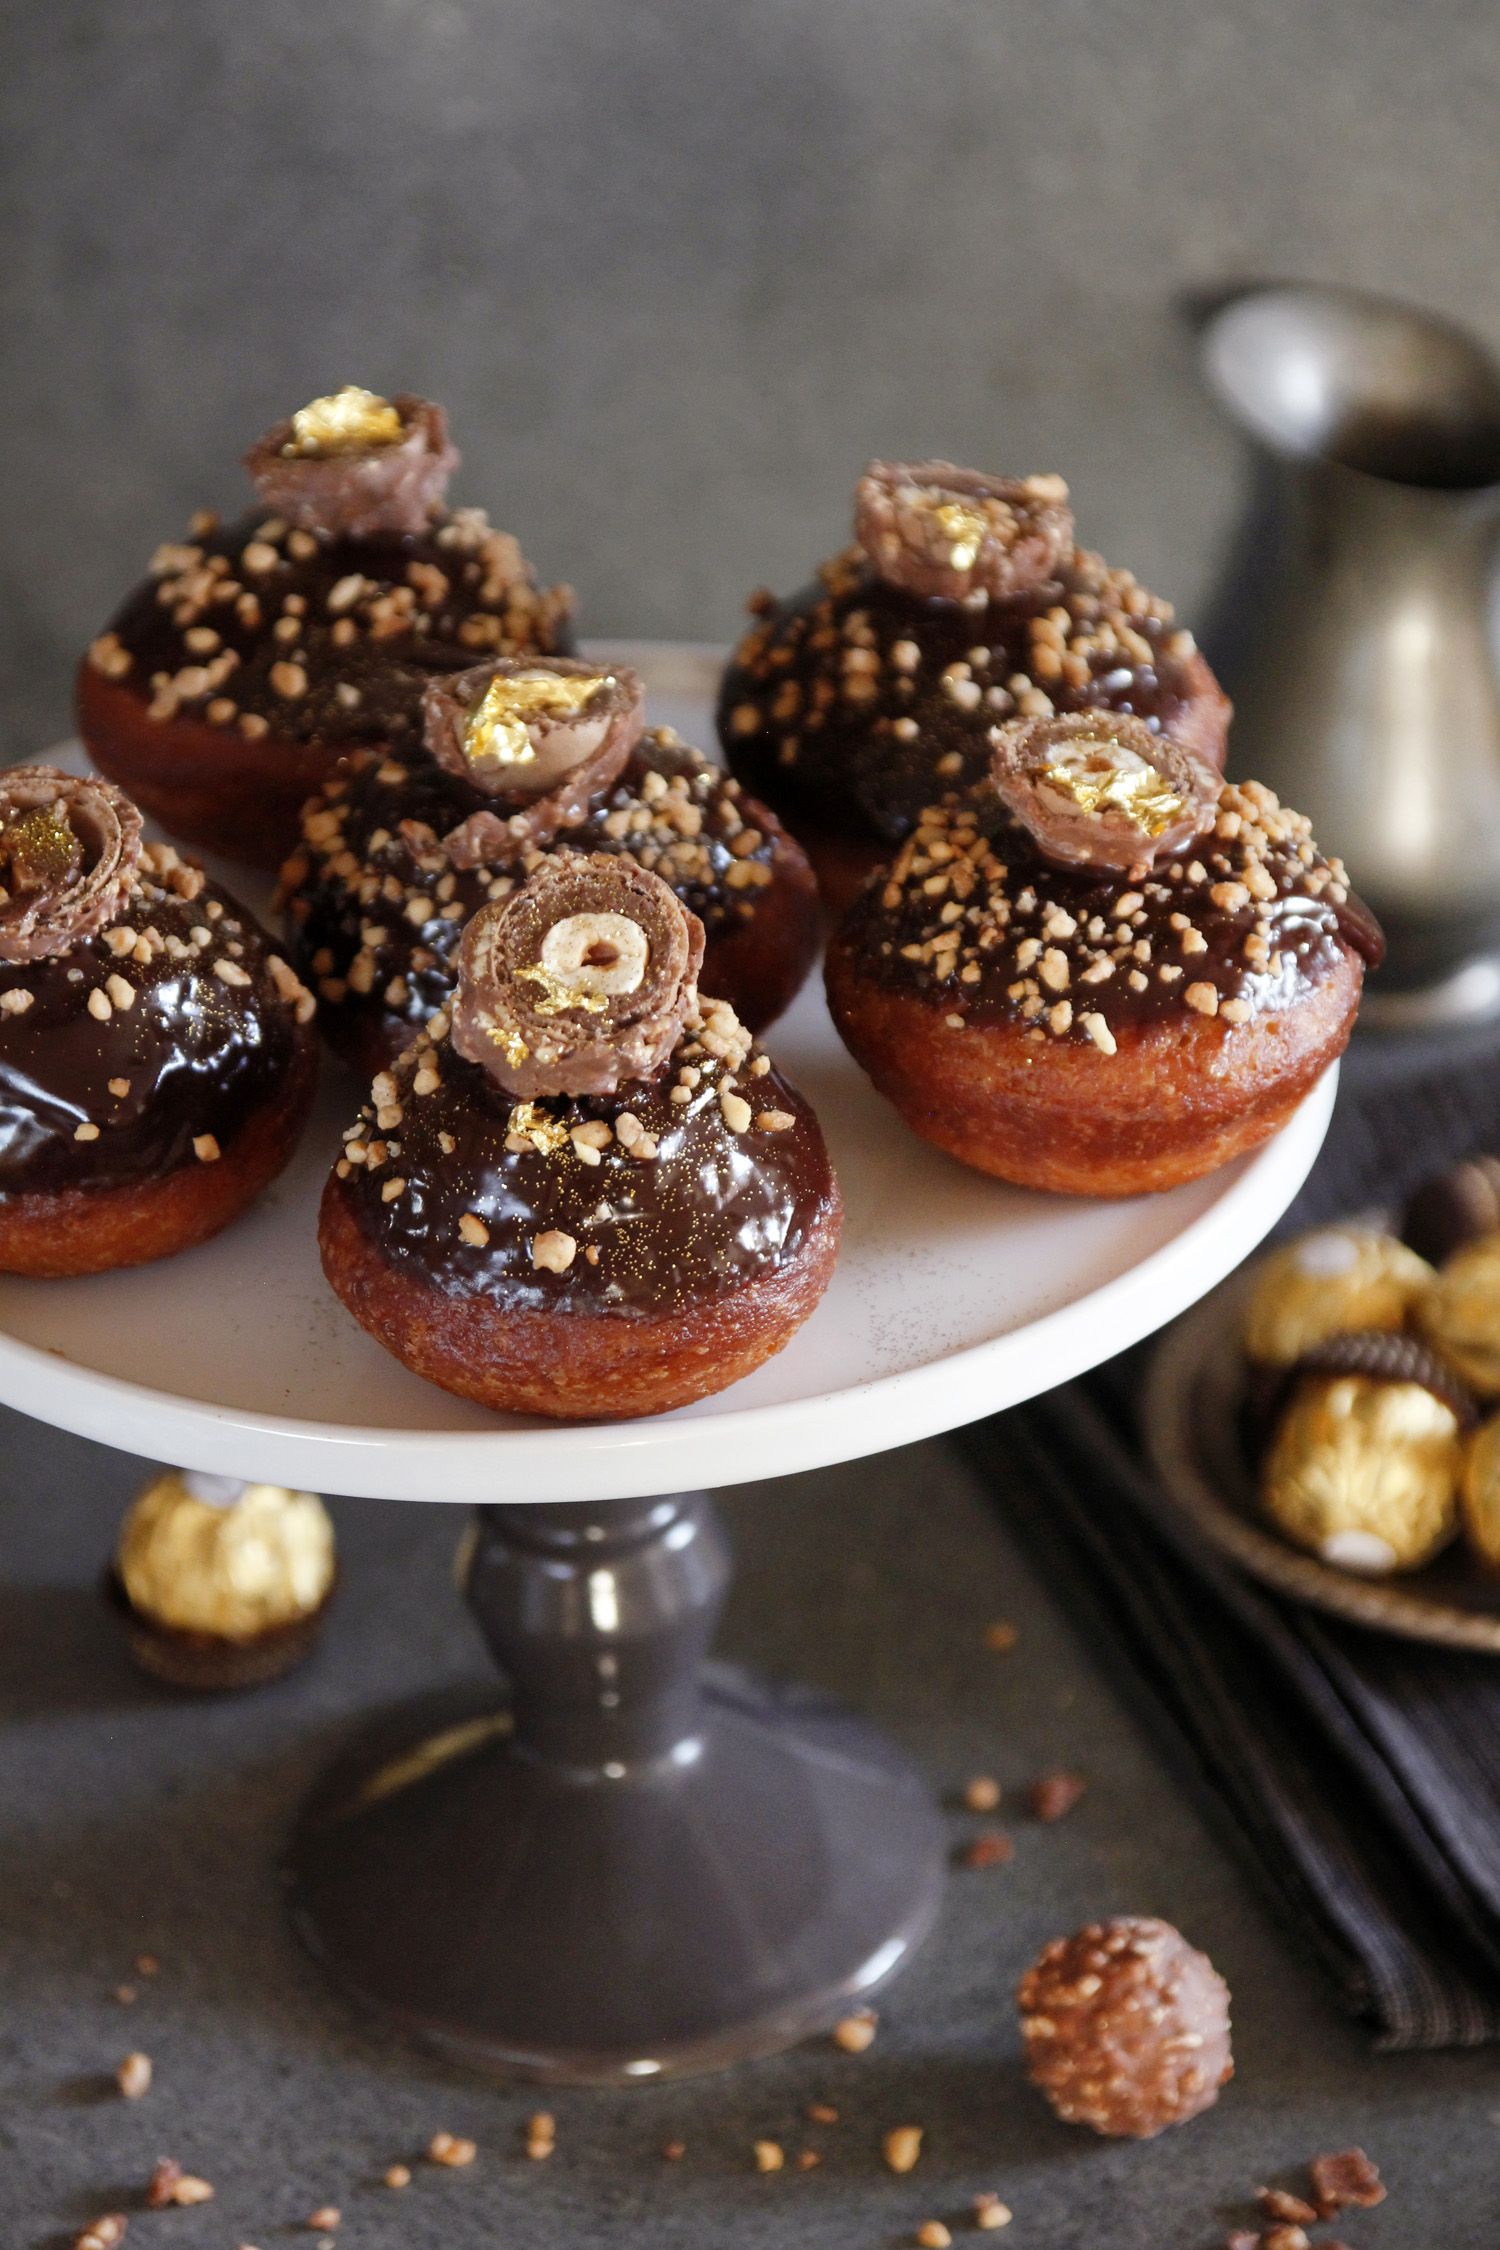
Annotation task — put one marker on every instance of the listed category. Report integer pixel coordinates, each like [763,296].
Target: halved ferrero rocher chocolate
[543,737]
[946,533]
[353,464]
[1364,1467]
[579,980]
[1099,789]
[68,849]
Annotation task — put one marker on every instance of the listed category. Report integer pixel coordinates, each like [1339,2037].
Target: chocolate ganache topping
[148,1042]
[678,1189]
[540,740]
[323,613]
[858,701]
[68,851]
[1240,922]
[353,464]
[579,981]
[377,908]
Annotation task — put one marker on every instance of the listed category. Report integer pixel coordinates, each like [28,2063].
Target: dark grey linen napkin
[1358,1774]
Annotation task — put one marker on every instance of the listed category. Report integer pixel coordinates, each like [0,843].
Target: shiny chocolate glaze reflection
[711,1210]
[194,1054]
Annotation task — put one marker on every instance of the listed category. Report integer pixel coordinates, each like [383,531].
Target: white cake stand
[636,1865]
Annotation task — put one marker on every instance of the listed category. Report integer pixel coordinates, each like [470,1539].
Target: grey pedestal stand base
[640,1864]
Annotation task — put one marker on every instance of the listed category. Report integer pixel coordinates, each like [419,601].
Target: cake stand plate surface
[954,1296]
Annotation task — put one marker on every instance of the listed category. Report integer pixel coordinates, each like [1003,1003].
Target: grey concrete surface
[679,266]
[131,1821]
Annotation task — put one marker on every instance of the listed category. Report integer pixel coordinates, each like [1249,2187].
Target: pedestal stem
[600,1618]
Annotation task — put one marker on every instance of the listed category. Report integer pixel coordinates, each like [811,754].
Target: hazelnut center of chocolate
[1097,773]
[597,956]
[346,421]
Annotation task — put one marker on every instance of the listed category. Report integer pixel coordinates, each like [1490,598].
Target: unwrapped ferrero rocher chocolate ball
[224,1583]
[1479,1493]
[1324,1284]
[1363,1470]
[1460,1314]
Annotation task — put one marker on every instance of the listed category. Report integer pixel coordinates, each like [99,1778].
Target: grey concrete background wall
[679,266]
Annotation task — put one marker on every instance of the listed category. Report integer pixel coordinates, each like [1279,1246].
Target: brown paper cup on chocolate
[942,532]
[352,465]
[578,981]
[1098,789]
[542,737]
[68,849]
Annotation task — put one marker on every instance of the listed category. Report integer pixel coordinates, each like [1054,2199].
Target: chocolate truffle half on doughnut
[526,756]
[964,603]
[1103,971]
[157,1056]
[225,687]
[584,1193]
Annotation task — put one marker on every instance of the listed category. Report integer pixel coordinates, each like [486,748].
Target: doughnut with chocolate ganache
[526,756]
[157,1055]
[228,683]
[1103,970]
[584,1192]
[962,605]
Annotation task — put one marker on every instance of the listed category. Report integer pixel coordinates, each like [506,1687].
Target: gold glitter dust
[346,421]
[964,527]
[39,849]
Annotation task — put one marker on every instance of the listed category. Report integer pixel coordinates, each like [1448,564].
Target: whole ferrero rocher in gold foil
[1327,1283]
[1364,1473]
[1460,1314]
[1479,1493]
[225,1583]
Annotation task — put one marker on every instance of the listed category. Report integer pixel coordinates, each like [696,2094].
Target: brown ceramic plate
[1195,1422]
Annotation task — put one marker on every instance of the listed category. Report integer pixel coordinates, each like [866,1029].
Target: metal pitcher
[1356,626]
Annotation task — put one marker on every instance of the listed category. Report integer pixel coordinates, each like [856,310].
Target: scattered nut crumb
[982,1794]
[103,2233]
[855,2033]
[769,2156]
[1276,2203]
[990,2212]
[1001,1638]
[207,1149]
[541,2136]
[169,2184]
[933,2235]
[397,2175]
[821,2113]
[902,2146]
[1348,2177]
[1053,1794]
[134,2076]
[674,2151]
[808,2159]
[449,2149]
[325,2220]
[991,1849]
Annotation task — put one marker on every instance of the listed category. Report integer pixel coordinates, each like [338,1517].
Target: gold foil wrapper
[1365,1474]
[1328,1284]
[1460,1314]
[266,1559]
[1480,1493]
[499,730]
[346,421]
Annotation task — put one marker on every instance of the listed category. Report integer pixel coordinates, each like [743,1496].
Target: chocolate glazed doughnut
[1104,971]
[964,604]
[157,1057]
[227,685]
[587,1194]
[525,756]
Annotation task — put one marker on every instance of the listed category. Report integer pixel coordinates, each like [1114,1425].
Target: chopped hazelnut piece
[982,1794]
[933,2235]
[207,1149]
[397,2175]
[769,2156]
[855,2033]
[553,1251]
[450,2150]
[990,2213]
[902,2146]
[134,2076]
